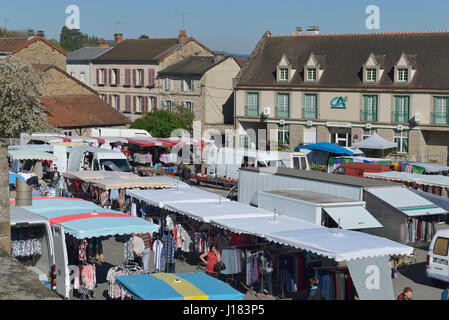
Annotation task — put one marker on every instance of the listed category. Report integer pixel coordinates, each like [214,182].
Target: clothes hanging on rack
[26,242]
[157,249]
[232,259]
[88,276]
[114,290]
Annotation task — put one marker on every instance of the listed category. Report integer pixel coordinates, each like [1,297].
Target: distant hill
[236,55]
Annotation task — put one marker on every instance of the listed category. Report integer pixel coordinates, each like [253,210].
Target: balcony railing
[400,117]
[368,116]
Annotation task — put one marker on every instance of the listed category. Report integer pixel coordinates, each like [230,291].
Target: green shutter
[375,108]
[407,114]
[365,103]
[434,109]
[396,109]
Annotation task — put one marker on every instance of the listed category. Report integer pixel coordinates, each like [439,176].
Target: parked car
[437,257]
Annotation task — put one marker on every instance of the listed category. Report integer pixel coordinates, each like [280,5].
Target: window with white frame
[402,74]
[139,104]
[371,74]
[102,76]
[283,74]
[311,74]
[189,105]
[102,96]
[167,84]
[115,101]
[83,77]
[186,84]
[401,138]
[151,101]
[342,139]
[284,134]
[139,77]
[114,76]
[368,133]
[167,104]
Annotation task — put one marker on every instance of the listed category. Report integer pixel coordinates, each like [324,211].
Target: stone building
[126,75]
[203,84]
[71,105]
[310,87]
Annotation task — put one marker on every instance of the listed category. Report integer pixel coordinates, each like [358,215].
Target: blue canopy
[13,176]
[177,286]
[84,219]
[328,147]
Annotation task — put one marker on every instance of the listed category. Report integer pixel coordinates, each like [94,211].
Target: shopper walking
[138,247]
[406,294]
[213,256]
[314,292]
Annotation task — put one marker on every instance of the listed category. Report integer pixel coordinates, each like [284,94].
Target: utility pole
[182,14]
[6,20]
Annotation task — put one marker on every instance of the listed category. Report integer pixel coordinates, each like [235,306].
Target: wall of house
[76,69]
[41,53]
[218,91]
[59,84]
[190,49]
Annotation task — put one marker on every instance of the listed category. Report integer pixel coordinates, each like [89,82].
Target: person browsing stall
[213,256]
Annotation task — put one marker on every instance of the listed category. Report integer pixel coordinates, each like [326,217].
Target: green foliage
[20,107]
[144,36]
[55,43]
[161,123]
[72,39]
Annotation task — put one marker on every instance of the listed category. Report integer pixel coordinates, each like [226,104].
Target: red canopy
[141,142]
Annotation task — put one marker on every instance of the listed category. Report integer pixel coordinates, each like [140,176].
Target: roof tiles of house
[137,50]
[194,65]
[344,55]
[85,54]
[14,45]
[80,111]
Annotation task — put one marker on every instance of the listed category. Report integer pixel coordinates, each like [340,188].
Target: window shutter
[98,76]
[127,77]
[151,77]
[193,107]
[145,104]
[374,108]
[154,102]
[118,76]
[192,84]
[182,85]
[127,103]
[407,110]
[396,109]
[143,78]
[134,77]
[109,80]
[118,102]
[134,104]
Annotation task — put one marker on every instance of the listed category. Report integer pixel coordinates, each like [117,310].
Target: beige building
[341,88]
[203,84]
[126,75]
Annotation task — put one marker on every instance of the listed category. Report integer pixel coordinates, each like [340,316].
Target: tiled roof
[345,54]
[241,62]
[81,111]
[14,45]
[85,54]
[194,65]
[145,50]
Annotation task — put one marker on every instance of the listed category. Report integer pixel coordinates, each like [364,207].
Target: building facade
[126,76]
[204,85]
[341,88]
[79,63]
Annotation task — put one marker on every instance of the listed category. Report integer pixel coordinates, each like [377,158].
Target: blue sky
[233,26]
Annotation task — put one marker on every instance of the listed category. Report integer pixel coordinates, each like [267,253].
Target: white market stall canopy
[426,179]
[30,155]
[375,142]
[243,218]
[407,202]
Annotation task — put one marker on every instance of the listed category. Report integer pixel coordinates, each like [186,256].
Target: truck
[82,158]
[110,132]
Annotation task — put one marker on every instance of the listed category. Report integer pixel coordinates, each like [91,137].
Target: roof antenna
[182,14]
[115,26]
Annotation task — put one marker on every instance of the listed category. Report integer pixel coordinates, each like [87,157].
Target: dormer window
[311,74]
[402,75]
[371,74]
[405,68]
[283,74]
[373,68]
[284,71]
[314,68]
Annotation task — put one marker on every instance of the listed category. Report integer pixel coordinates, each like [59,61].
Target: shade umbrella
[375,142]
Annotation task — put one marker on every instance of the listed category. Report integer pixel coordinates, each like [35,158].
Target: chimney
[103,44]
[313,30]
[31,33]
[182,36]
[40,33]
[218,57]
[297,31]
[118,37]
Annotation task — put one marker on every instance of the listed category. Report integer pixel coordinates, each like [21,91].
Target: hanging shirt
[157,248]
[169,248]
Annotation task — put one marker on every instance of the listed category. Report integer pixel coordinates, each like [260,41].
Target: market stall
[177,286]
[196,219]
[79,227]
[375,142]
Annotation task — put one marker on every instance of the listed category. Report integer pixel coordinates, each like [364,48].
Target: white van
[438,257]
[111,132]
[294,160]
[99,160]
[226,162]
[44,264]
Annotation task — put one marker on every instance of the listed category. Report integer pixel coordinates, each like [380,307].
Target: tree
[73,39]
[161,123]
[55,43]
[20,107]
[144,36]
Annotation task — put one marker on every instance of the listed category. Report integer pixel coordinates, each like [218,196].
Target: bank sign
[339,102]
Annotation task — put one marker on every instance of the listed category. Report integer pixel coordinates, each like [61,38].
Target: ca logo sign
[373,280]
